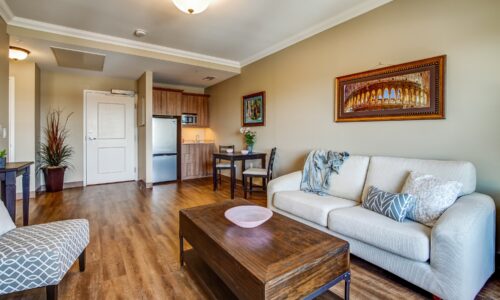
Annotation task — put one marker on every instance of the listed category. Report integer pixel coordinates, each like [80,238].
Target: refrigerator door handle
[164,154]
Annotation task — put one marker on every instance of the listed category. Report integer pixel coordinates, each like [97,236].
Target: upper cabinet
[167,102]
[196,104]
[173,103]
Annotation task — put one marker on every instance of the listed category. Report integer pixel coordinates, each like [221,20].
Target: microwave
[189,119]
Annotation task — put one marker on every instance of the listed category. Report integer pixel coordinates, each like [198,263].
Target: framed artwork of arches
[409,91]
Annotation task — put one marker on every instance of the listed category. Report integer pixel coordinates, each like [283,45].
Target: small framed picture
[254,109]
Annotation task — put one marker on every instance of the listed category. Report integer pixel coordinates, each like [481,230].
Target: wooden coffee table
[281,259]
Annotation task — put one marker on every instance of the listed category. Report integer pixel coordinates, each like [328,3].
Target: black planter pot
[54,179]
[3,162]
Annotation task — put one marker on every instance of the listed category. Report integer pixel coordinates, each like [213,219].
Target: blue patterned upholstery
[394,206]
[40,255]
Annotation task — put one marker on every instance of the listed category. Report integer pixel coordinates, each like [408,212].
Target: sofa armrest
[289,182]
[463,246]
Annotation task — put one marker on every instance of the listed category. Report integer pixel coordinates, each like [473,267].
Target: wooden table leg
[181,249]
[10,194]
[26,196]
[243,166]
[214,172]
[233,178]
[263,161]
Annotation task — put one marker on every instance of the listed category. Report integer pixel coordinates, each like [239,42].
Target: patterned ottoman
[40,255]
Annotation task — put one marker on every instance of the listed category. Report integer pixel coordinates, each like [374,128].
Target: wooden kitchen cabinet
[196,104]
[196,160]
[167,102]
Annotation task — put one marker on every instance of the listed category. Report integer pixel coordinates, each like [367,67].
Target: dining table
[8,177]
[232,158]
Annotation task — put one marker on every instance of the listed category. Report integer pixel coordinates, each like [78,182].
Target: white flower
[242,130]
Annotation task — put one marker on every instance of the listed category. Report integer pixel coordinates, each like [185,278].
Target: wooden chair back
[270,166]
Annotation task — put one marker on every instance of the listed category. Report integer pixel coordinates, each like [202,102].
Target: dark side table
[8,188]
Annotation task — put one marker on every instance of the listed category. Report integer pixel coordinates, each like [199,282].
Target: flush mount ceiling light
[17,53]
[192,6]
[140,33]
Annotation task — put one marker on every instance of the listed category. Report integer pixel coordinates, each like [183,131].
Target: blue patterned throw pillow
[388,204]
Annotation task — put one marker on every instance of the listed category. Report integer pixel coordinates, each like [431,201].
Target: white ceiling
[229,33]
[123,65]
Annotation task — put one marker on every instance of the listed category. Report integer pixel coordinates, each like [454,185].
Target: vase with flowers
[250,137]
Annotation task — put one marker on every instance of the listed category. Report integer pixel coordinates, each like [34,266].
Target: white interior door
[110,146]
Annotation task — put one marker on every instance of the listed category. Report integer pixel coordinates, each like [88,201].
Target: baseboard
[195,177]
[144,185]
[257,182]
[19,196]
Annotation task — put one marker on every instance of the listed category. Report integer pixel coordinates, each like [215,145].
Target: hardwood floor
[133,252]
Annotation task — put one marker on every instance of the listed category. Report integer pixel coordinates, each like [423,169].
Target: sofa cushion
[432,197]
[391,205]
[408,239]
[6,223]
[40,255]
[390,173]
[348,184]
[309,206]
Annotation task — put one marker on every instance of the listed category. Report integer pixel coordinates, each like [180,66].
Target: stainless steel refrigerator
[165,149]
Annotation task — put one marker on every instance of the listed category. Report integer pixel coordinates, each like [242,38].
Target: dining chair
[223,164]
[265,174]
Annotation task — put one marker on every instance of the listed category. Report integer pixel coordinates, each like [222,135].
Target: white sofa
[451,260]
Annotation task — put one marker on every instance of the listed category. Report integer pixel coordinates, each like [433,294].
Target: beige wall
[65,91]
[145,141]
[26,92]
[38,132]
[299,82]
[4,82]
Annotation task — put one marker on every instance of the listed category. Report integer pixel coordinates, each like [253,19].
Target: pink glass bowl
[248,216]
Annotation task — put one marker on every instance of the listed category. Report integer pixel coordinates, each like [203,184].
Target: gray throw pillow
[388,204]
[433,196]
[6,223]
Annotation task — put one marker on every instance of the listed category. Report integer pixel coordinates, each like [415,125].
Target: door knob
[92,138]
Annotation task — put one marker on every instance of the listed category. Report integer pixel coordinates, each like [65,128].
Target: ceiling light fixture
[191,6]
[140,33]
[17,53]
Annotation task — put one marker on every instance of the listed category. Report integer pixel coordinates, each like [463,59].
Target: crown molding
[108,39]
[311,31]
[12,20]
[5,11]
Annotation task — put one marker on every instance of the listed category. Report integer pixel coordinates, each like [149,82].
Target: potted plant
[3,158]
[55,153]
[250,137]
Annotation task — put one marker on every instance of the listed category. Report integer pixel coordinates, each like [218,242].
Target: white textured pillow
[432,196]
[6,223]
